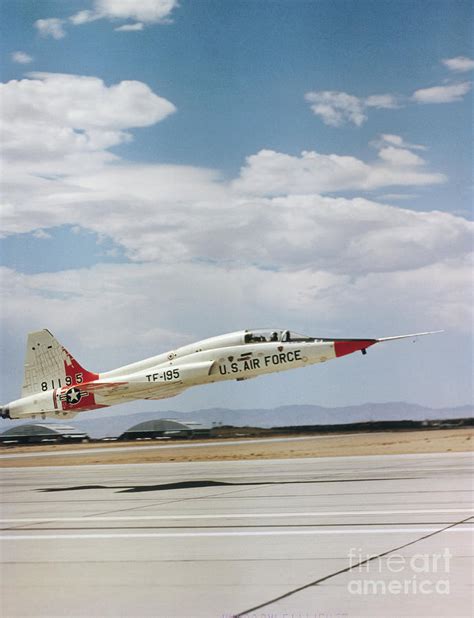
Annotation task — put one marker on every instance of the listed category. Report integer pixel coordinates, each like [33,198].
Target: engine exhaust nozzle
[5,412]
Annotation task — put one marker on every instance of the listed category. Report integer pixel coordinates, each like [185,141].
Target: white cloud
[141,11]
[442,94]
[83,17]
[395,140]
[56,128]
[459,64]
[274,173]
[397,196]
[175,215]
[400,157]
[199,241]
[130,27]
[41,235]
[87,103]
[110,297]
[51,27]
[21,57]
[55,123]
[337,108]
[57,135]
[149,11]
[382,101]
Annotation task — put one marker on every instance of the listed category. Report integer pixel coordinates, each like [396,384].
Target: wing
[109,393]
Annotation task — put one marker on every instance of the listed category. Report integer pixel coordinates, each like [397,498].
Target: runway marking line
[230,515]
[236,533]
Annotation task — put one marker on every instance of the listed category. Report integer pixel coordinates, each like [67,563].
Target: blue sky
[238,72]
[217,166]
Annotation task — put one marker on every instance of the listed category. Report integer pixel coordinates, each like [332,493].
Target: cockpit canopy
[266,335]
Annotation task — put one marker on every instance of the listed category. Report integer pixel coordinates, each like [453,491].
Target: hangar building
[165,428]
[35,433]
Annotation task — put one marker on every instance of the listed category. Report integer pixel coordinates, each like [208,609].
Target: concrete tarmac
[328,537]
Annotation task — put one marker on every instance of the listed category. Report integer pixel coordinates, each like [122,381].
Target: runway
[340,536]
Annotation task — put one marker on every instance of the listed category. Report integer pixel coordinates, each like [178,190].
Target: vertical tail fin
[48,365]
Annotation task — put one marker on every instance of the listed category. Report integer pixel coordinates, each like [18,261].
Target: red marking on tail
[78,376]
[76,372]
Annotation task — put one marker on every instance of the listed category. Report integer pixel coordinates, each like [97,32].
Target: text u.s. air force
[250,364]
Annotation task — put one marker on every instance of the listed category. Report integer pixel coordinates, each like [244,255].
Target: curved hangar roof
[163,424]
[39,429]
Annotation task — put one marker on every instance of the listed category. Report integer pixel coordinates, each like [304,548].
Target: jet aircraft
[56,385]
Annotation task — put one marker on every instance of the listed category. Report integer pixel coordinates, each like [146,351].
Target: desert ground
[330,445]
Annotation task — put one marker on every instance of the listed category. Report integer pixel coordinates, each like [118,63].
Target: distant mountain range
[106,425]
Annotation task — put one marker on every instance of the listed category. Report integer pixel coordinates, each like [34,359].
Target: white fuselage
[227,357]
[55,384]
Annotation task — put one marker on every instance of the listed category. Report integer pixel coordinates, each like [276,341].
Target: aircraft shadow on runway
[207,483]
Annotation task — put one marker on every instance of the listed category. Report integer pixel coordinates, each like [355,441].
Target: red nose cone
[348,346]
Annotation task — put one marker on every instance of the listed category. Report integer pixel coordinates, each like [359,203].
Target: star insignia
[73,395]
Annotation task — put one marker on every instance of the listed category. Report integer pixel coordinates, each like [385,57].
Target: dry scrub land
[334,445]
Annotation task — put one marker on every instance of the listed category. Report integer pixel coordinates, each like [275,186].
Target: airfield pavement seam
[349,568]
